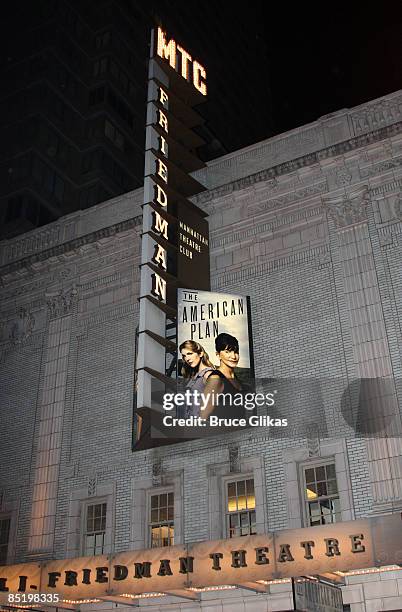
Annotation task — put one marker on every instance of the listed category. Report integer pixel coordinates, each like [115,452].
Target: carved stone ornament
[348,209]
[398,207]
[22,327]
[234,459]
[62,303]
[157,472]
[343,177]
[92,485]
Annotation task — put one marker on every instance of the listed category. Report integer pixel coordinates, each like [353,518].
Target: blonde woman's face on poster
[191,358]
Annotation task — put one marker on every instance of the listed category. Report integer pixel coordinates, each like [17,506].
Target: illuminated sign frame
[174,241]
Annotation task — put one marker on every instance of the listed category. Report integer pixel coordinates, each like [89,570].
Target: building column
[50,422]
[367,352]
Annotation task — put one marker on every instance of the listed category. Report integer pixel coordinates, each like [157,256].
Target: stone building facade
[309,224]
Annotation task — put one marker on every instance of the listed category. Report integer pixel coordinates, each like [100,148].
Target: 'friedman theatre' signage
[175,242]
[238,561]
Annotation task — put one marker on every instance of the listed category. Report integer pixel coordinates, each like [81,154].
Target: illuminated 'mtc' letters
[170,52]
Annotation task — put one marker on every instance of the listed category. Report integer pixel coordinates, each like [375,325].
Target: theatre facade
[308,224]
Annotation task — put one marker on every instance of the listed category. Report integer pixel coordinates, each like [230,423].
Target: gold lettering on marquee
[186,565]
[332,546]
[185,61]
[260,557]
[239,558]
[284,553]
[142,570]
[166,50]
[216,560]
[357,545]
[160,225]
[160,256]
[307,548]
[164,568]
[163,121]
[162,170]
[159,287]
[199,73]
[120,572]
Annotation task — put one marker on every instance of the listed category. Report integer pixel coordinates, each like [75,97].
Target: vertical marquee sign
[175,244]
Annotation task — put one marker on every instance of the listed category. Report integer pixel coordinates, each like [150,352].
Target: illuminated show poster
[216,321]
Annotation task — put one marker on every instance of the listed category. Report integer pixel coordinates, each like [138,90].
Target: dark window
[20,168]
[48,179]
[90,196]
[102,40]
[59,108]
[90,161]
[37,63]
[14,208]
[25,206]
[101,66]
[121,109]
[114,170]
[114,135]
[45,216]
[96,96]
[120,76]
[4,538]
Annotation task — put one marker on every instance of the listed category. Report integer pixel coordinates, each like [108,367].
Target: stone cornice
[72,245]
[299,162]
[207,197]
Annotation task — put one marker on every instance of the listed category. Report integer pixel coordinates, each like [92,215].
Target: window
[161,524]
[90,161]
[114,171]
[93,194]
[4,538]
[321,494]
[100,66]
[102,40]
[114,135]
[48,179]
[125,83]
[120,107]
[96,96]
[240,516]
[26,207]
[14,208]
[95,529]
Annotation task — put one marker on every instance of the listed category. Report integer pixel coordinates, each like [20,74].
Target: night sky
[313,59]
[329,56]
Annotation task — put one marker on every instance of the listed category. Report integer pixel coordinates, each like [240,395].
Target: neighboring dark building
[73,98]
